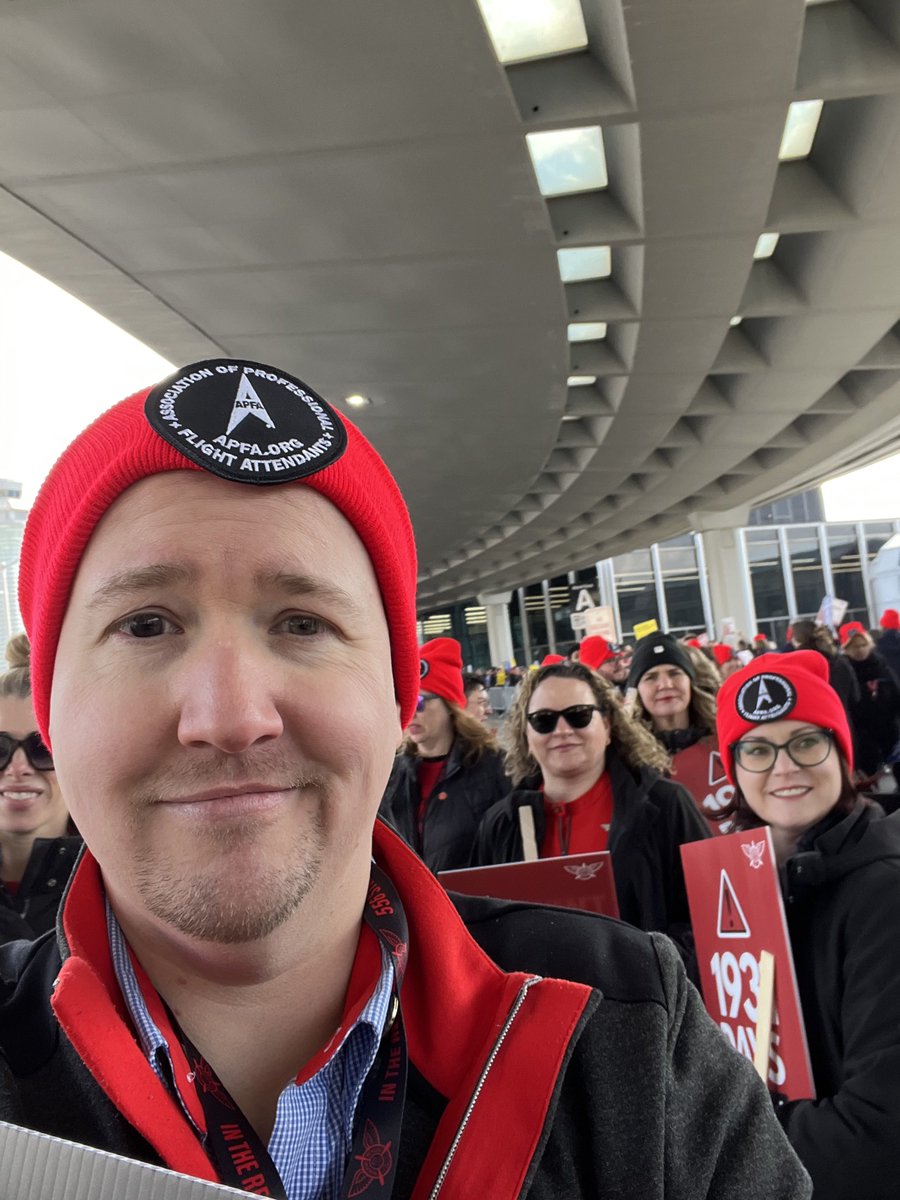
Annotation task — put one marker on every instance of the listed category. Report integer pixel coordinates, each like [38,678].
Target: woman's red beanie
[890,619]
[792,686]
[440,670]
[301,439]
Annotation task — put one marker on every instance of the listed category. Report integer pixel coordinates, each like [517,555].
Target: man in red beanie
[253,980]
[606,658]
[888,642]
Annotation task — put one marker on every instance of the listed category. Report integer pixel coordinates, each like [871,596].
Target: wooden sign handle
[529,839]
[764,1006]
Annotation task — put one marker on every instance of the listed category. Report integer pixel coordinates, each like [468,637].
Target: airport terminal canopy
[601,268]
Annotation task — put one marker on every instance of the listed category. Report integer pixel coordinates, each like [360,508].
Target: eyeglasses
[577,716]
[422,701]
[806,749]
[33,745]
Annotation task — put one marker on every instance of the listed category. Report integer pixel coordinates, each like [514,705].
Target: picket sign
[570,881]
[739,925]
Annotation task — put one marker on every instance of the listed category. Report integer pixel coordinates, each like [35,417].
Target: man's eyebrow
[293,584]
[130,583]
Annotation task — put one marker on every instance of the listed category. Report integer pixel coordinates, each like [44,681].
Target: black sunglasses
[577,716]
[33,745]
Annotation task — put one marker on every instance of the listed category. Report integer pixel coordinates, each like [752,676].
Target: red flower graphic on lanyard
[207,1082]
[375,1162]
[398,948]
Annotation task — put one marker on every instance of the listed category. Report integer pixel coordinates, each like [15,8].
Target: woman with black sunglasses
[788,749]
[36,856]
[589,778]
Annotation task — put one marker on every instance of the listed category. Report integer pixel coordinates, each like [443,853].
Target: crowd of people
[216,957]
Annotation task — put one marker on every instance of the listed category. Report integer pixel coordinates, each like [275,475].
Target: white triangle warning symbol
[247,403]
[716,769]
[732,923]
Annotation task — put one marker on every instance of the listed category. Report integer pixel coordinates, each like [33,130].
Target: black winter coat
[652,817]
[888,646]
[645,1102]
[459,799]
[875,712]
[842,897]
[32,911]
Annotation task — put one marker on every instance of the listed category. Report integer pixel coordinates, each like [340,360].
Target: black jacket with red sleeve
[618,1087]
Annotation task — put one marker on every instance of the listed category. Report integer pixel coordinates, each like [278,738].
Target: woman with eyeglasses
[589,778]
[788,749]
[449,770]
[36,855]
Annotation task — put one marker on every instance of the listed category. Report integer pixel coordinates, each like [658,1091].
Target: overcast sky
[61,365]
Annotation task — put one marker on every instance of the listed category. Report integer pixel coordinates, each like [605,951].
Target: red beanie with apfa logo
[242,421]
[440,670]
[773,687]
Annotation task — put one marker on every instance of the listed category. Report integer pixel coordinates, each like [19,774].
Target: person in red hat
[875,709]
[888,641]
[253,980]
[449,770]
[608,659]
[788,749]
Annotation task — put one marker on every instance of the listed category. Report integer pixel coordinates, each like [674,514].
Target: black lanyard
[236,1150]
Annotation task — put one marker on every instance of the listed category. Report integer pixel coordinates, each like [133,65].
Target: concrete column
[499,631]
[728,573]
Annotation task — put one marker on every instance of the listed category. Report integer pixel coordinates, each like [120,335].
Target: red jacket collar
[455,1002]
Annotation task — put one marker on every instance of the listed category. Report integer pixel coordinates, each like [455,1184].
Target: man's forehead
[166,528]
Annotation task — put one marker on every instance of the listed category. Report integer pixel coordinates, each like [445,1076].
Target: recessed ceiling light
[570,417]
[799,129]
[357,400]
[735,320]
[523,29]
[584,262]
[587,331]
[568,160]
[765,245]
[581,380]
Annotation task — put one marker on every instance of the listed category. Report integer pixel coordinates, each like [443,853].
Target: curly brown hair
[634,744]
[473,737]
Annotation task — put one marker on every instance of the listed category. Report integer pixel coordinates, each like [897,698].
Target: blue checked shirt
[313,1133]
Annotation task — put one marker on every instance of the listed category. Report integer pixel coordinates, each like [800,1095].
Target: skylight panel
[523,29]
[765,245]
[568,160]
[584,262]
[587,331]
[799,129]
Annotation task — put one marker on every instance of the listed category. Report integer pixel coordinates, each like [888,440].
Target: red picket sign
[571,881]
[737,913]
[699,768]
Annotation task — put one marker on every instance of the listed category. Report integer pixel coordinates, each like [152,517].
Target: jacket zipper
[495,1050]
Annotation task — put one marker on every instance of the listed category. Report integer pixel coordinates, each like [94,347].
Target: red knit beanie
[550,660]
[206,416]
[890,619]
[722,653]
[595,651]
[774,686]
[440,670]
[851,629]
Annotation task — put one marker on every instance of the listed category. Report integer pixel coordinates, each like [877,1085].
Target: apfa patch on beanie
[440,670]
[851,629]
[777,687]
[204,417]
[594,651]
[655,650]
[890,619]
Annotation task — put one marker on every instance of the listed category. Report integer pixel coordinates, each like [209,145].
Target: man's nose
[228,695]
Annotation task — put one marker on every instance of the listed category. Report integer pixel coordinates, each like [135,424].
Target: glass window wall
[806,568]
[636,589]
[681,580]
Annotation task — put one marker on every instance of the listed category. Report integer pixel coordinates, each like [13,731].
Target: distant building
[12,526]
